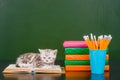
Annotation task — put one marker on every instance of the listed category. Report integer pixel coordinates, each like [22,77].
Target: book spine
[77,51]
[72,74]
[80,62]
[74,44]
[82,68]
[81,57]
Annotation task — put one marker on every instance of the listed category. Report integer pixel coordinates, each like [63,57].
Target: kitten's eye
[54,53]
[44,57]
[49,57]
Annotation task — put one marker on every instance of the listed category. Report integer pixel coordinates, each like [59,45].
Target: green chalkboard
[26,25]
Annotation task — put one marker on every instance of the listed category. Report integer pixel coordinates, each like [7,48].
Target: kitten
[46,57]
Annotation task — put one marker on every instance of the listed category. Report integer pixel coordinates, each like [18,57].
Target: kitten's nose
[47,60]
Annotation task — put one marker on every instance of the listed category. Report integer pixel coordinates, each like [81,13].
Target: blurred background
[26,25]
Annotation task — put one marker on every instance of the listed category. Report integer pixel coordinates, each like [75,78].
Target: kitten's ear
[55,51]
[40,50]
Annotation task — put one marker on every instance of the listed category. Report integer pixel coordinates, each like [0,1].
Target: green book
[77,51]
[80,62]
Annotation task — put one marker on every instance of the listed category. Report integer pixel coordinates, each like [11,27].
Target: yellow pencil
[96,44]
[107,40]
[92,41]
[101,42]
[107,43]
[88,43]
[86,38]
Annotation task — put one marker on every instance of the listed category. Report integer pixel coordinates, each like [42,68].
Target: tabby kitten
[46,57]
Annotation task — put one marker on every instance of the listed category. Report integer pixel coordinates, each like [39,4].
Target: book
[78,74]
[78,51]
[81,62]
[74,44]
[82,68]
[13,69]
[54,69]
[83,75]
[81,57]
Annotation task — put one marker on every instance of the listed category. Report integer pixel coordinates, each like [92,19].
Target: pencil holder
[97,61]
[97,77]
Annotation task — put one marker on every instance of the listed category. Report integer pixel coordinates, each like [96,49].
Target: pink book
[69,44]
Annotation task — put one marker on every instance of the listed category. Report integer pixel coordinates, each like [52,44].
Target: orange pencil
[107,40]
[101,43]
[89,43]
[95,42]
[106,43]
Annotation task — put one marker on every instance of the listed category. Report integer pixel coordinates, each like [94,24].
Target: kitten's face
[48,55]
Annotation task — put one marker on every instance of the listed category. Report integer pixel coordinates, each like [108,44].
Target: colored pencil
[102,42]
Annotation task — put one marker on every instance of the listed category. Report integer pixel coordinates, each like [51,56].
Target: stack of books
[77,56]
